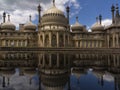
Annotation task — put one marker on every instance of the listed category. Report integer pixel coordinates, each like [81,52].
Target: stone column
[113,40]
[114,60]
[117,40]
[57,60]
[93,44]
[50,38]
[43,60]
[80,44]
[65,60]
[50,63]
[108,44]
[43,39]
[64,40]
[57,39]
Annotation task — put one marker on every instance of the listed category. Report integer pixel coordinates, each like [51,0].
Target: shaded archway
[54,41]
[46,41]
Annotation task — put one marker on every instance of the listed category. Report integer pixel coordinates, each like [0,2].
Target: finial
[113,8]
[53,2]
[4,16]
[117,6]
[39,7]
[77,18]
[68,9]
[117,10]
[97,19]
[8,17]
[30,18]
[100,18]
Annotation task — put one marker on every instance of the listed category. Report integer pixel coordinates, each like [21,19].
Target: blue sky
[90,9]
[86,10]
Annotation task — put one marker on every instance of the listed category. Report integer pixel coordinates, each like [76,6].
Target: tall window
[47,41]
[61,41]
[54,41]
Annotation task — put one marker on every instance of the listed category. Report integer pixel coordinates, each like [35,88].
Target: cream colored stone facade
[54,30]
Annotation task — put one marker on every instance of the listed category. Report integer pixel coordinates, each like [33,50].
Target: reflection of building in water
[98,61]
[117,81]
[17,59]
[54,31]
[6,73]
[54,70]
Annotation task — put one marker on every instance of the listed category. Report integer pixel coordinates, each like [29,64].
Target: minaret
[8,17]
[97,20]
[113,14]
[30,18]
[117,10]
[68,11]
[39,13]
[4,17]
[100,19]
[53,2]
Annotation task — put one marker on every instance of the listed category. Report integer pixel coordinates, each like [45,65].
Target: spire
[8,17]
[117,10]
[68,11]
[39,12]
[97,20]
[53,2]
[100,19]
[77,19]
[30,18]
[4,17]
[113,13]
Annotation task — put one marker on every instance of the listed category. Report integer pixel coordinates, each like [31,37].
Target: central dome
[53,16]
[53,10]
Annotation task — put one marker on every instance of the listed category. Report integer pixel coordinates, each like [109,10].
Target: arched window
[61,41]
[47,41]
[54,41]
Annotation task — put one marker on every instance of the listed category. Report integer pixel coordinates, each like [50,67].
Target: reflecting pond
[59,71]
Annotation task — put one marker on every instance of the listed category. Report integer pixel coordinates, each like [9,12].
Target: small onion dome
[30,26]
[77,26]
[8,26]
[97,27]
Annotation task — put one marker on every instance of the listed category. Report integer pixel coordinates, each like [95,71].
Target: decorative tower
[68,11]
[39,13]
[4,17]
[117,10]
[100,19]
[113,14]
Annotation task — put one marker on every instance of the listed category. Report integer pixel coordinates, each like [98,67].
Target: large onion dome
[53,16]
[77,26]
[30,26]
[8,26]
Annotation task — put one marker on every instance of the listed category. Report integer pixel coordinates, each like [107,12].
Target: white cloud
[106,22]
[21,9]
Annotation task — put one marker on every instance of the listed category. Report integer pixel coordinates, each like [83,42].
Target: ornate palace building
[54,30]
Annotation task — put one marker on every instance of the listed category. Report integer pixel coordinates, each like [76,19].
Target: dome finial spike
[97,20]
[53,2]
[77,19]
[30,18]
[9,17]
